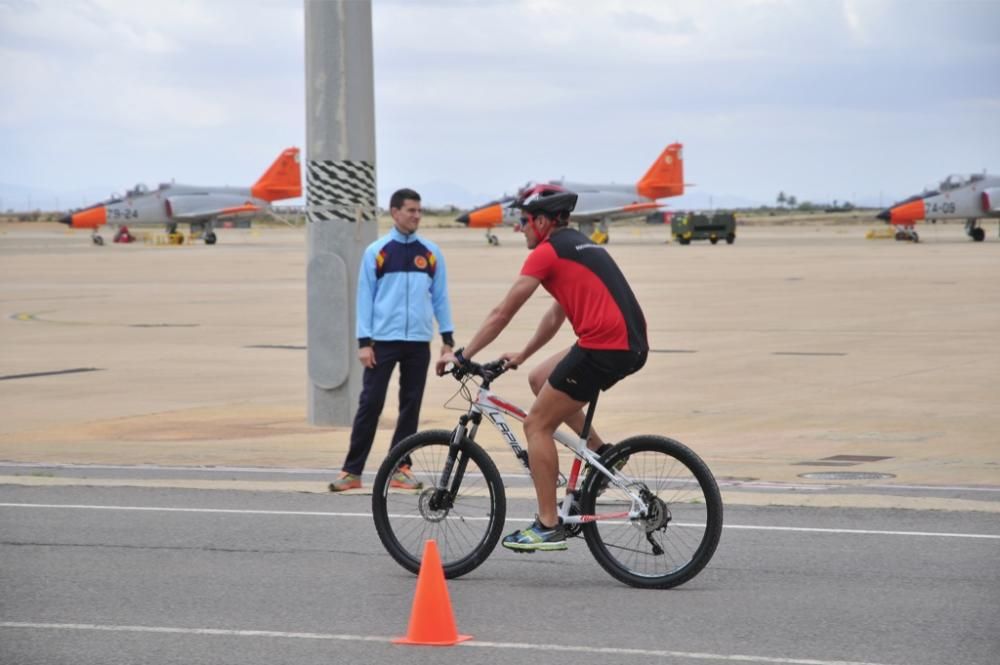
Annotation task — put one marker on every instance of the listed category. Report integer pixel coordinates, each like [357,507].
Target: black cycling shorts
[583,373]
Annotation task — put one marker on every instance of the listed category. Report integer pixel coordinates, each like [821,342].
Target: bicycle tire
[466,532]
[687,497]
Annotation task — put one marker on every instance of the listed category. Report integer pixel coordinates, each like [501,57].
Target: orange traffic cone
[431,620]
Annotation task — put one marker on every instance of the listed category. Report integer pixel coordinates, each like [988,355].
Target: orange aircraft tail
[666,176]
[283,180]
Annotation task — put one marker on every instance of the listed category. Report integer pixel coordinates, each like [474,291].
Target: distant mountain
[696,199]
[22,198]
[435,194]
[441,194]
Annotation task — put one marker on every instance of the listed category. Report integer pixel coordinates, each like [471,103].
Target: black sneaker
[537,537]
[605,447]
[617,466]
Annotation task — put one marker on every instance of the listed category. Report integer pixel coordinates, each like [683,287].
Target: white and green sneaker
[537,537]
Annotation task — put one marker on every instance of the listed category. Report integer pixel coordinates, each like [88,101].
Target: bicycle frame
[496,409]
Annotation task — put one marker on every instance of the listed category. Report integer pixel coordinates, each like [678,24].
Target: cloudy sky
[864,100]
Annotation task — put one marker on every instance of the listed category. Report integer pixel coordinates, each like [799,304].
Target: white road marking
[751,484]
[872,532]
[657,653]
[167,509]
[168,467]
[312,513]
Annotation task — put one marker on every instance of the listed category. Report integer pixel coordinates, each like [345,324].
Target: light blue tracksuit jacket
[402,288]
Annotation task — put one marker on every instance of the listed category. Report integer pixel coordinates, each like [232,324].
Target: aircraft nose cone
[66,219]
[89,218]
[905,213]
[885,216]
[485,217]
[464,219]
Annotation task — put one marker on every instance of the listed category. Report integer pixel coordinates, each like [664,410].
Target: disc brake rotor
[426,501]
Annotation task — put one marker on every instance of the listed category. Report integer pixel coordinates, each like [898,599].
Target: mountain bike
[649,508]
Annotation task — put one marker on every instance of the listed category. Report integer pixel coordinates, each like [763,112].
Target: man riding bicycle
[590,290]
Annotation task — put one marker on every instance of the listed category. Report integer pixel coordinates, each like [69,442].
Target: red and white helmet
[548,200]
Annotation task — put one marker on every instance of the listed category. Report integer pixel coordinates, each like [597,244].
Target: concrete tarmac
[126,575]
[806,364]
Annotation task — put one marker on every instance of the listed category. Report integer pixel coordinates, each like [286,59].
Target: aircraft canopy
[956,180]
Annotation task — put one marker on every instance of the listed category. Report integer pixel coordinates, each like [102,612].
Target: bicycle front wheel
[677,536]
[464,515]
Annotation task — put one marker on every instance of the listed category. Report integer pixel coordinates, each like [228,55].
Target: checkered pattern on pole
[342,191]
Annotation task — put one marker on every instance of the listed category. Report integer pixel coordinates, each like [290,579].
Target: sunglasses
[525,220]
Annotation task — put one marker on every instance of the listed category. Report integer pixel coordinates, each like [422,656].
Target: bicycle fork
[454,465]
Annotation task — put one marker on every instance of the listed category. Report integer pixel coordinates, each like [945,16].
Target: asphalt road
[109,575]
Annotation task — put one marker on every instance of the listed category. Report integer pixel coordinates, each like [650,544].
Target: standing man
[590,290]
[402,288]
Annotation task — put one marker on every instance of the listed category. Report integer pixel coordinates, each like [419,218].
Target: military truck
[699,226]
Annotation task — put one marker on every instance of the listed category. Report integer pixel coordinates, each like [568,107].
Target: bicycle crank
[573,530]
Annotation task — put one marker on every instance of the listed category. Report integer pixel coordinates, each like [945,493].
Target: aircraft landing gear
[210,238]
[492,239]
[974,231]
[97,239]
[907,233]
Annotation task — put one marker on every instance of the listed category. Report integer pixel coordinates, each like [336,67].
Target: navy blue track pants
[413,359]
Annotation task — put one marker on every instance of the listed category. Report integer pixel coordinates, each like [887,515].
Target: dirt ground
[772,357]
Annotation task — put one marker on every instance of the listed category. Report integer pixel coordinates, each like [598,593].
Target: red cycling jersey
[587,283]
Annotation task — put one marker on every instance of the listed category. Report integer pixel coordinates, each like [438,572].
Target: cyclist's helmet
[550,200]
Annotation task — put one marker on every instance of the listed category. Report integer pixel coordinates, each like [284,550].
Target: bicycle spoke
[678,534]
[462,525]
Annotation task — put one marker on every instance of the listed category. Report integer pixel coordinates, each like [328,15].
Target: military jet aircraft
[969,197]
[200,207]
[597,203]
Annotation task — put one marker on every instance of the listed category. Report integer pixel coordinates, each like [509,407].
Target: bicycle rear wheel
[679,535]
[465,517]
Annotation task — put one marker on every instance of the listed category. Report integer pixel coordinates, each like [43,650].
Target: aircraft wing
[188,208]
[617,212]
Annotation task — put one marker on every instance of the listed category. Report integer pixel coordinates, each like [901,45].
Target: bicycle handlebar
[486,371]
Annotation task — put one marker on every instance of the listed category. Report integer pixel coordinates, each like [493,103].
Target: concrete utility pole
[340,197]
